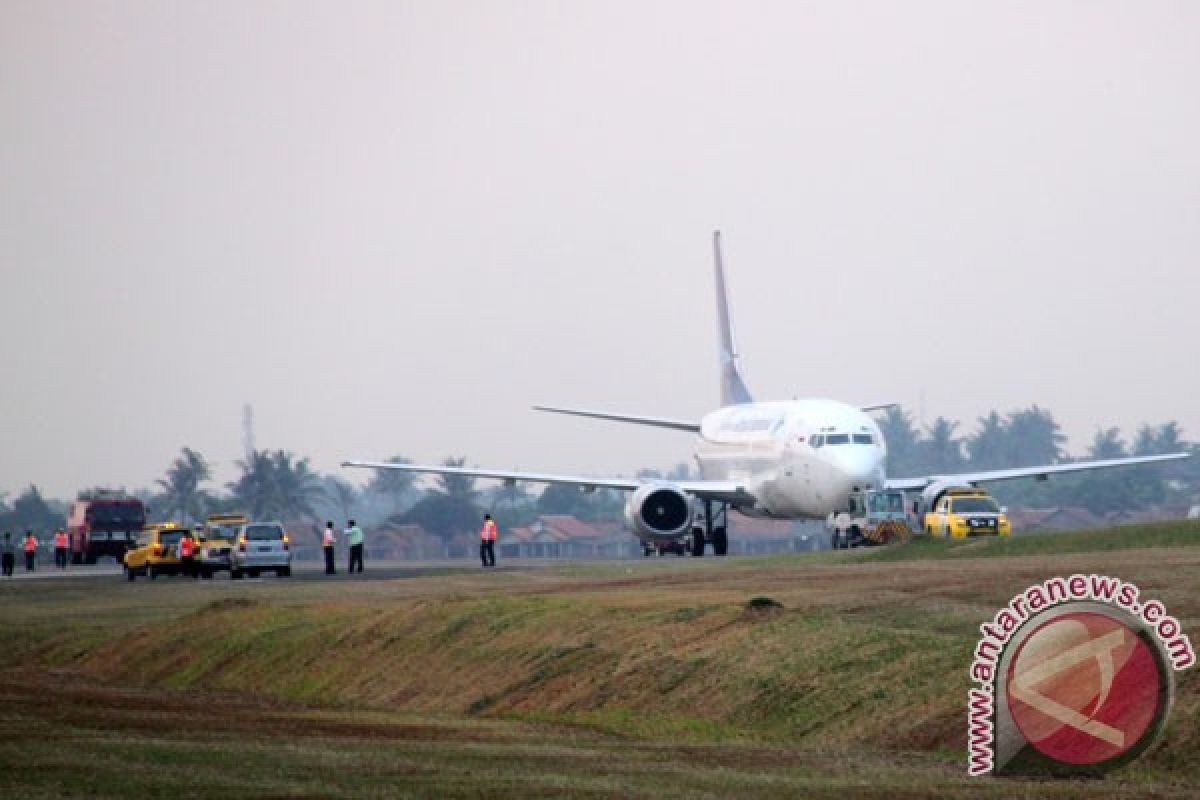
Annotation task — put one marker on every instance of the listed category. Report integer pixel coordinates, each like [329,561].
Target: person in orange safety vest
[187,555]
[327,542]
[30,551]
[487,541]
[60,549]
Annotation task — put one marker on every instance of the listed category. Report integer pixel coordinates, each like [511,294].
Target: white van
[260,547]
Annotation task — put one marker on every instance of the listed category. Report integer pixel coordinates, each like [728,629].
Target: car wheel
[284,572]
[130,574]
[235,574]
[254,573]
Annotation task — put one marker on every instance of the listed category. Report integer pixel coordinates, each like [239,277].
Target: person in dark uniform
[8,555]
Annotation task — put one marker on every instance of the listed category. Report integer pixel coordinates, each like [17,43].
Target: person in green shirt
[354,537]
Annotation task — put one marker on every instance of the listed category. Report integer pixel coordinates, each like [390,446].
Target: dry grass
[626,679]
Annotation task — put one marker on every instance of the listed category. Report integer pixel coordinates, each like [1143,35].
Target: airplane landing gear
[714,530]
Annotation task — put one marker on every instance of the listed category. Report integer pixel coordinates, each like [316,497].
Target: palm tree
[942,450]
[1107,443]
[181,487]
[342,494]
[903,442]
[253,489]
[297,487]
[272,484]
[393,484]
[985,448]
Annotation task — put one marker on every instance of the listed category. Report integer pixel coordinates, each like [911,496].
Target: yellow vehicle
[960,513]
[156,551]
[217,539]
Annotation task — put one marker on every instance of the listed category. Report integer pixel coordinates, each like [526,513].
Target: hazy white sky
[391,227]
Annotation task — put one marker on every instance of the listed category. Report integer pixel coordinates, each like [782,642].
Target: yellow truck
[966,511]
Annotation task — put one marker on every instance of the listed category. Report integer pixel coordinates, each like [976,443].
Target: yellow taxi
[960,513]
[156,551]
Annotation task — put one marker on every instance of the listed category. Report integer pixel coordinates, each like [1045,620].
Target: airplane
[796,459]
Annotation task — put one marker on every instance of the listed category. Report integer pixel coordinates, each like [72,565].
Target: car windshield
[219,532]
[975,505]
[170,537]
[863,438]
[837,438]
[116,516]
[263,533]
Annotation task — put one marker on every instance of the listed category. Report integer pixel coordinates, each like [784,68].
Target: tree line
[276,484]
[1031,436]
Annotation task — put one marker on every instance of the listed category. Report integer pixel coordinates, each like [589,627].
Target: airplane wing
[878,407]
[1041,473]
[725,491]
[657,422]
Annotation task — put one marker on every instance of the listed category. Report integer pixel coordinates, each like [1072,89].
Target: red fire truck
[105,525]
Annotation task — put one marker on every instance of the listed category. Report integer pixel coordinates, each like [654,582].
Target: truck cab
[873,516]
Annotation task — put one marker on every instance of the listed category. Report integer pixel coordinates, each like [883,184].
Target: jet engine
[659,511]
[934,491]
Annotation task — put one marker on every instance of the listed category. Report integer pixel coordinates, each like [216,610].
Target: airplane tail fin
[733,385]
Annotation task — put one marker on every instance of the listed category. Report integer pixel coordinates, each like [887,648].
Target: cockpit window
[817,441]
[863,438]
[837,438]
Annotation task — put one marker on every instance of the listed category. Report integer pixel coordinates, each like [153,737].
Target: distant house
[564,536]
[393,542]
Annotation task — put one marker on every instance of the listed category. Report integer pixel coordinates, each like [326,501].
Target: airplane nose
[858,467]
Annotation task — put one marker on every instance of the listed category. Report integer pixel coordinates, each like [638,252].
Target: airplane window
[863,438]
[837,438]
[817,440]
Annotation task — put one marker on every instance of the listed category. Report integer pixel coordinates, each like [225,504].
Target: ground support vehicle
[874,517]
[260,547]
[218,536]
[156,552]
[103,525]
[960,512]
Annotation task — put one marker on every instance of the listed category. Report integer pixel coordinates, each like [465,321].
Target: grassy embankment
[660,677]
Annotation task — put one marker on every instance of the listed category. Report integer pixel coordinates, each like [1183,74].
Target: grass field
[841,674]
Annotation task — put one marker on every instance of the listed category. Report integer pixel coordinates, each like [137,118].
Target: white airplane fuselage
[800,458]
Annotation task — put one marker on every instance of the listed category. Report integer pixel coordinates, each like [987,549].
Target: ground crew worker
[187,555]
[60,549]
[354,536]
[30,551]
[8,558]
[487,541]
[327,544]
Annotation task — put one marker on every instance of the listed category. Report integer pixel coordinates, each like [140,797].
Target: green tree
[181,492]
[451,509]
[31,511]
[275,484]
[903,443]
[394,486]
[986,447]
[342,495]
[941,450]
